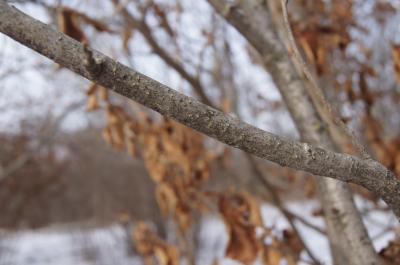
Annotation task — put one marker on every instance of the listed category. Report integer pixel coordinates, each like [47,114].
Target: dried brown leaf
[396,61]
[166,198]
[68,23]
[92,103]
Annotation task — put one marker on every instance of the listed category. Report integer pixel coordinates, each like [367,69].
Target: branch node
[92,65]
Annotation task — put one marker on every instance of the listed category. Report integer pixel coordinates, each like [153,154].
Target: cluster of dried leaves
[178,163]
[318,41]
[325,49]
[149,245]
[174,155]
[249,239]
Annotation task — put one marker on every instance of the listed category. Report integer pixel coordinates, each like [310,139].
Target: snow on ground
[106,245]
[61,245]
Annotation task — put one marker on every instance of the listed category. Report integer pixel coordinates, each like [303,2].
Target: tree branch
[192,113]
[160,51]
[335,125]
[279,204]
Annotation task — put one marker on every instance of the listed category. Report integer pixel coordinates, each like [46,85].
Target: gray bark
[192,113]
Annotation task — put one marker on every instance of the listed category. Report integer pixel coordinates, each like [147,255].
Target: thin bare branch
[277,201]
[160,51]
[315,92]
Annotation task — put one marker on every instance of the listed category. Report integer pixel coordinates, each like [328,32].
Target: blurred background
[80,167]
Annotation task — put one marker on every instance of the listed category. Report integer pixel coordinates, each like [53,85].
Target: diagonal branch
[315,92]
[160,51]
[194,114]
[288,214]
